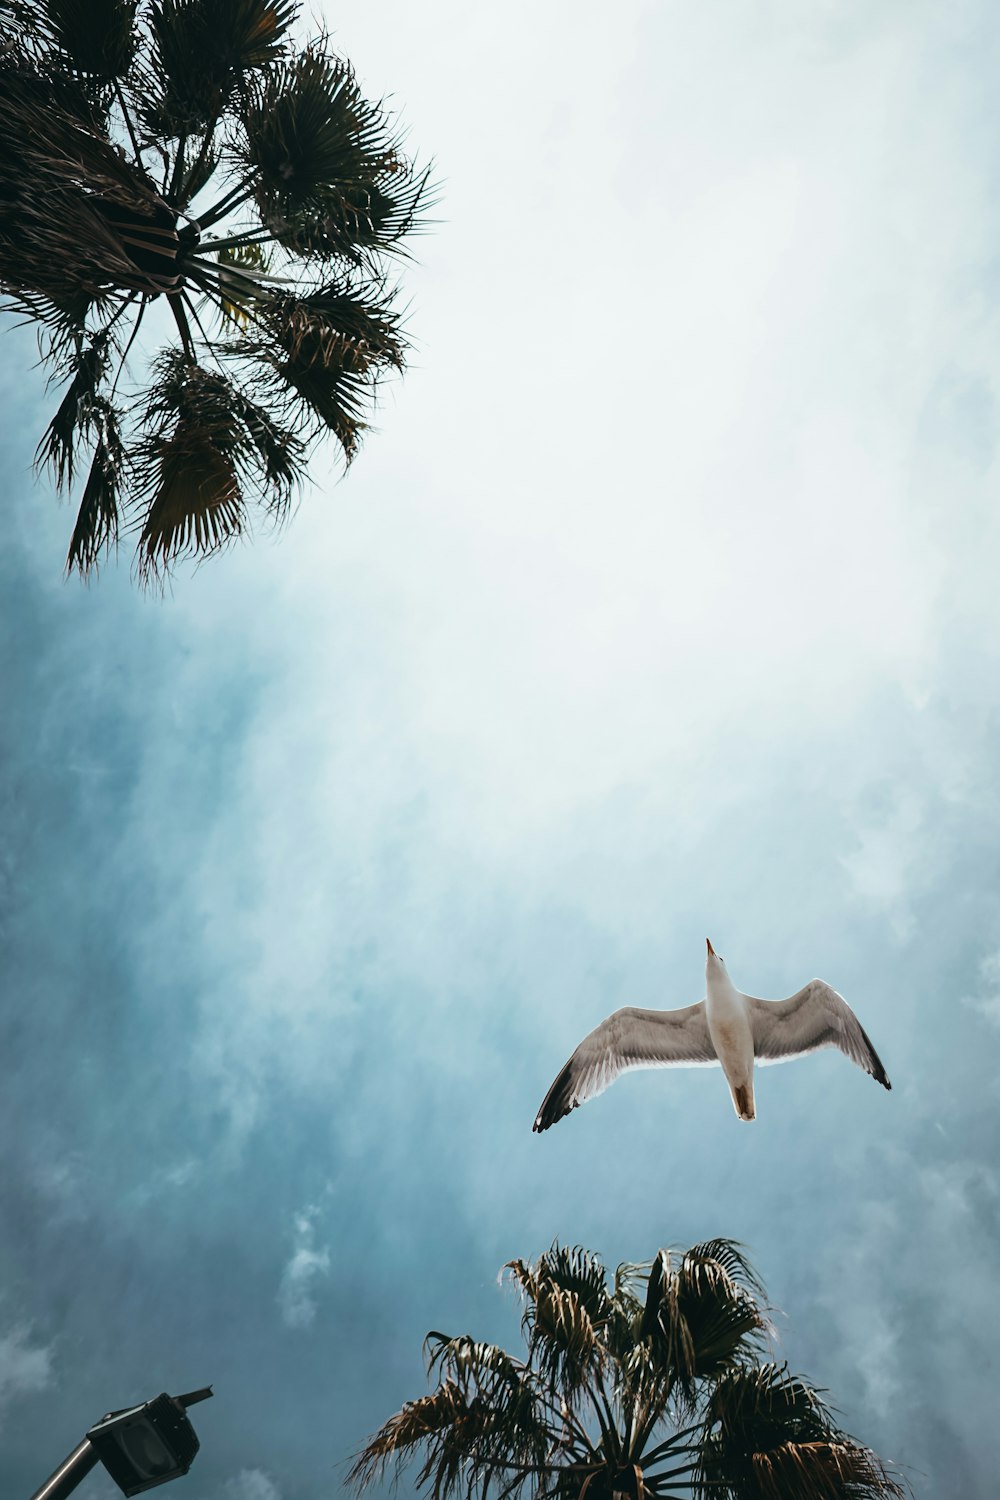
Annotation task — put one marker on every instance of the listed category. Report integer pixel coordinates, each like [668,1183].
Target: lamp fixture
[141,1446]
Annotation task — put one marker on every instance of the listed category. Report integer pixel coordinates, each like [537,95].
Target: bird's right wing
[816,1017]
[629,1039]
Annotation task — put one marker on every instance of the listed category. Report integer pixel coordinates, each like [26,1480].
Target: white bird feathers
[727,1028]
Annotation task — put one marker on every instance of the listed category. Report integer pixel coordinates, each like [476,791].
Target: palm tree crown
[652,1384]
[182,152]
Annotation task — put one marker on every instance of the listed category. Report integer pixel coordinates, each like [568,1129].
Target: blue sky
[661,604]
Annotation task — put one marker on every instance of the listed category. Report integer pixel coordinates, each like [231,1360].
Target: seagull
[727,1027]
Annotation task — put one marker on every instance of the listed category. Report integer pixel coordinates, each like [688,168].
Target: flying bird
[726,1028]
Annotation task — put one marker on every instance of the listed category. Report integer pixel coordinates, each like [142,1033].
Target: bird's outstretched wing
[629,1039]
[816,1017]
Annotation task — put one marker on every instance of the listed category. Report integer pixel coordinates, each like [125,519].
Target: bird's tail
[743,1100]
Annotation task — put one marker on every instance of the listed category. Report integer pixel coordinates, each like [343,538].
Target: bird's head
[714,962]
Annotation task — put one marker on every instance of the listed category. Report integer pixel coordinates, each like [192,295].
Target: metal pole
[69,1473]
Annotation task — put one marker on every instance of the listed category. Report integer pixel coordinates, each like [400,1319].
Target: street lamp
[140,1447]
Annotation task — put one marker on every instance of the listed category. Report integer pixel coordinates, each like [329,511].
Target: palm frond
[429,1421]
[95,37]
[622,1314]
[717,1295]
[77,411]
[702,1314]
[63,330]
[98,518]
[347,325]
[632,1279]
[196,176]
[515,1427]
[331,177]
[280,456]
[465,1359]
[21,24]
[75,216]
[114,116]
[325,354]
[326,398]
[202,50]
[566,1301]
[729,1255]
[770,1405]
[187,465]
[205,442]
[233,293]
[768,1434]
[821,1471]
[195,505]
[576,1270]
[466,1439]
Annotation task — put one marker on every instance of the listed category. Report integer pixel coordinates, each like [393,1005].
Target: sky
[661,603]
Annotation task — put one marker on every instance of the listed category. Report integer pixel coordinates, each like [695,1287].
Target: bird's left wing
[816,1017]
[630,1038]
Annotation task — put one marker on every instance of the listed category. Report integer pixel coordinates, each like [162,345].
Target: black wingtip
[877,1070]
[557,1103]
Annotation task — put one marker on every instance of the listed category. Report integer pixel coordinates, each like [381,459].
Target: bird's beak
[711,950]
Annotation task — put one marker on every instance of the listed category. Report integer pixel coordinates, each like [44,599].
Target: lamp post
[140,1446]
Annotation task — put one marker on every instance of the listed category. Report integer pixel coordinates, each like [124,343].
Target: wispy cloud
[985,999]
[309,1264]
[25,1366]
[890,848]
[251,1484]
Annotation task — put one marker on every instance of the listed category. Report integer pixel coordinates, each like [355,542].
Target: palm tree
[183,154]
[655,1385]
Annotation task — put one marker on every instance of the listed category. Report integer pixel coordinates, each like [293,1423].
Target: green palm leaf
[98,519]
[768,1434]
[78,218]
[232,288]
[331,177]
[202,49]
[205,441]
[566,1303]
[195,504]
[322,356]
[589,1414]
[78,410]
[182,151]
[95,37]
[505,1393]
[701,1314]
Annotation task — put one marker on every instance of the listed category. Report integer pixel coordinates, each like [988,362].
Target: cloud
[986,999]
[251,1484]
[308,1264]
[25,1368]
[891,846]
